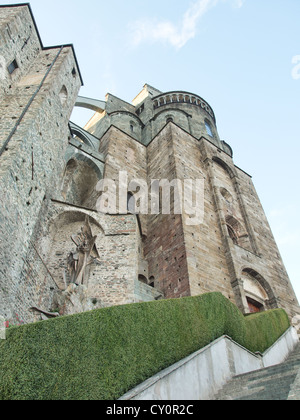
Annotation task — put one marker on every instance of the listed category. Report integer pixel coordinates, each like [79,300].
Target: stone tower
[60,254]
[38,88]
[173,136]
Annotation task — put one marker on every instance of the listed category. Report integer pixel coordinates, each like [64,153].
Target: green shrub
[264,329]
[102,354]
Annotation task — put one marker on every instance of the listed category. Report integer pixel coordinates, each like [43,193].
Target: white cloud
[178,35]
[238,3]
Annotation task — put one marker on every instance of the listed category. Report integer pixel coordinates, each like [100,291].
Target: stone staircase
[281,382]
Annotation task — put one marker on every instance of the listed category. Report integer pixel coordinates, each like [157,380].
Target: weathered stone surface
[33,137]
[49,175]
[73,300]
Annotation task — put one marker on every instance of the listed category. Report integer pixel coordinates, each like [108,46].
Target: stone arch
[233,235]
[224,165]
[130,115]
[85,158]
[180,118]
[58,242]
[237,232]
[170,111]
[257,290]
[79,182]
[169,118]
[83,135]
[71,216]
[143,279]
[236,229]
[92,104]
[128,123]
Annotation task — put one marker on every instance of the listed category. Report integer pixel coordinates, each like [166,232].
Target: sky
[241,56]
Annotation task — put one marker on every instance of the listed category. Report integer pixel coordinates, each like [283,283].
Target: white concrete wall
[201,375]
[281,349]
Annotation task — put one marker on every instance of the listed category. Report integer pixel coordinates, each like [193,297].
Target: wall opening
[209,129]
[12,67]
[152,281]
[63,95]
[254,306]
[143,279]
[258,292]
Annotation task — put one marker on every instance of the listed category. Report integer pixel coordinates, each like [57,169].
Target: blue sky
[240,55]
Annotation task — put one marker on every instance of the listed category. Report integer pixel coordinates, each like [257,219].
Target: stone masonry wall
[262,258]
[18,41]
[206,260]
[31,164]
[111,278]
[48,189]
[165,248]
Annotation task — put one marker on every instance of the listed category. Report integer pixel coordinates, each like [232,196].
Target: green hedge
[264,328]
[104,353]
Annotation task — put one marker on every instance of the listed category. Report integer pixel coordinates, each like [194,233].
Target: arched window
[63,95]
[227,196]
[132,126]
[152,281]
[237,232]
[256,291]
[209,128]
[143,279]
[131,203]
[234,228]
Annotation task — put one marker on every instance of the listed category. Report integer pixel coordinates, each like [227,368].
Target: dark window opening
[254,306]
[143,279]
[152,281]
[12,67]
[141,109]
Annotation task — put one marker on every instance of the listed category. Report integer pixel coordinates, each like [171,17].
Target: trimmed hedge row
[102,354]
[264,329]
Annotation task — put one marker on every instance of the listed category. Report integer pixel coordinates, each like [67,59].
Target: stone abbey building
[60,254]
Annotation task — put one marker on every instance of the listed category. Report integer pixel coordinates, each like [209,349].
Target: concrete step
[273,383]
[276,388]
